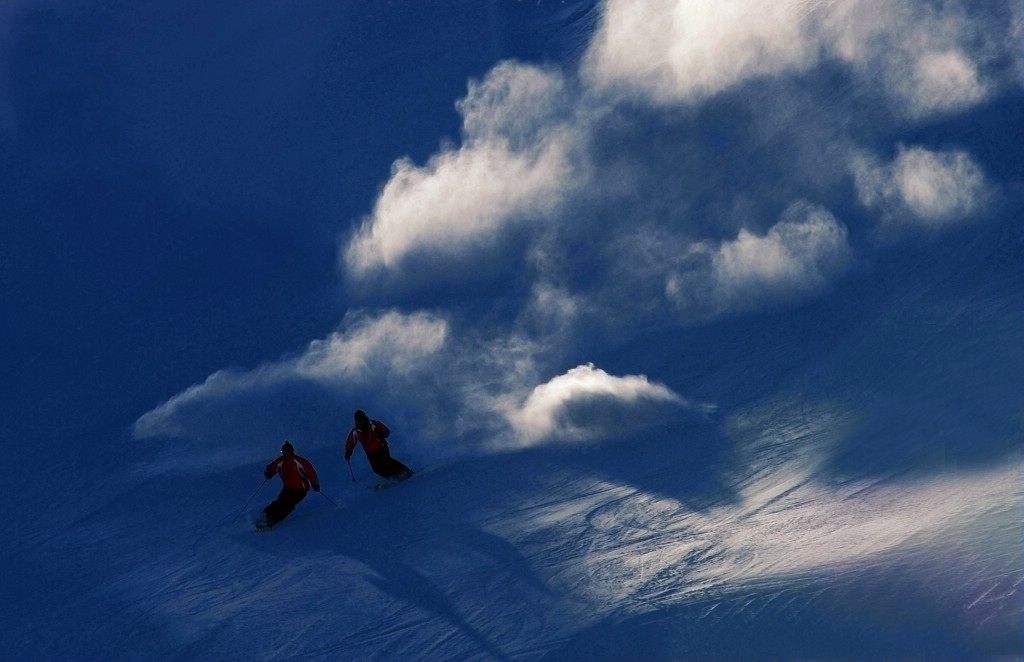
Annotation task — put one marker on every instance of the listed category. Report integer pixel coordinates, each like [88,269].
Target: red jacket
[297,473]
[372,439]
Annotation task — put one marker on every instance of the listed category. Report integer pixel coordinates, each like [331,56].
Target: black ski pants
[384,465]
[284,504]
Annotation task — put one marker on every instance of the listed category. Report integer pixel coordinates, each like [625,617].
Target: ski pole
[329,499]
[250,500]
[350,470]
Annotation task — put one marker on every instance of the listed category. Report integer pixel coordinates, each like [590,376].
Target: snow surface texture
[705,338]
[751,532]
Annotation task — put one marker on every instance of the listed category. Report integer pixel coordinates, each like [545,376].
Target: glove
[316,487]
[268,474]
[348,456]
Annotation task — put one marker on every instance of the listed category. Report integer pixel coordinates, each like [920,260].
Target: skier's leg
[283,505]
[399,470]
[388,467]
[380,462]
[272,512]
[289,499]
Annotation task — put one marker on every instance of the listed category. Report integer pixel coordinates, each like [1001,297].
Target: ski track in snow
[644,552]
[604,553]
[507,564]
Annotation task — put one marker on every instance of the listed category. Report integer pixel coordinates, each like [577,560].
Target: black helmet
[287,447]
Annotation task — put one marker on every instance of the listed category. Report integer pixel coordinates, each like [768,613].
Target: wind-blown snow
[748,531]
[706,344]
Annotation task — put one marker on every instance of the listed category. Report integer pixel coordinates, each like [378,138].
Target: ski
[388,484]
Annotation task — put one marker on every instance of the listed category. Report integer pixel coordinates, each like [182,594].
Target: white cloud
[547,416]
[537,143]
[516,164]
[796,257]
[393,343]
[914,51]
[552,307]
[943,81]
[923,188]
[620,198]
[674,50]
[514,103]
[681,50]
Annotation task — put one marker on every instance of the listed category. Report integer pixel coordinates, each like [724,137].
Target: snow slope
[857,493]
[702,324]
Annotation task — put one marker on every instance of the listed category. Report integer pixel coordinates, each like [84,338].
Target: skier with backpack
[372,435]
[297,477]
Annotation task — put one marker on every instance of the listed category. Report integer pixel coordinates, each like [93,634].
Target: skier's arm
[350,443]
[272,468]
[381,430]
[309,472]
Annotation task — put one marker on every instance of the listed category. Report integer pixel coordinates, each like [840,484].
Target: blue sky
[455,213]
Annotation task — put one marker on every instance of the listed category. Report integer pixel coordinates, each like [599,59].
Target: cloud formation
[675,50]
[942,81]
[587,403]
[798,255]
[672,51]
[471,388]
[921,187]
[368,347]
[692,166]
[549,152]
[516,164]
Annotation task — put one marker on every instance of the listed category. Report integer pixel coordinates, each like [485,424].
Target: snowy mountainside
[516,558]
[857,493]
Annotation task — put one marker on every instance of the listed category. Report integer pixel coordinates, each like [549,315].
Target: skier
[373,435]
[297,475]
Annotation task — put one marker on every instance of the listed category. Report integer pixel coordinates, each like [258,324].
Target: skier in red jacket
[373,436]
[297,476]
